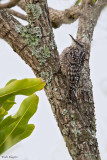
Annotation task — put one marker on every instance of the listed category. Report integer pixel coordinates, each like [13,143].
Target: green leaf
[7,121]
[3,112]
[8,104]
[29,129]
[12,80]
[77,2]
[18,130]
[21,87]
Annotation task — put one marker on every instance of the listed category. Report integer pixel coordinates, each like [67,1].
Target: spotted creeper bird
[71,62]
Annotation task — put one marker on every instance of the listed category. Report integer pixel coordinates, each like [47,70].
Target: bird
[71,65]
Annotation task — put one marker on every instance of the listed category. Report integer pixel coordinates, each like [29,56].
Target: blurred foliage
[78,1]
[15,128]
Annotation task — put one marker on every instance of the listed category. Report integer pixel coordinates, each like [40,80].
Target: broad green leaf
[8,104]
[17,131]
[7,121]
[77,2]
[21,87]
[12,80]
[29,129]
[26,133]
[3,112]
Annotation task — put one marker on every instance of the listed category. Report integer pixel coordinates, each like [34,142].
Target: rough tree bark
[35,44]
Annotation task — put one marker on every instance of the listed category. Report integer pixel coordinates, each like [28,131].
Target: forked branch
[17,14]
[9,4]
[58,17]
[77,124]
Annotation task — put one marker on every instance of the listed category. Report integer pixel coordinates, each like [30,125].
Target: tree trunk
[35,44]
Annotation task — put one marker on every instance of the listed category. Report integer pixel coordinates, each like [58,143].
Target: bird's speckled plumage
[72,61]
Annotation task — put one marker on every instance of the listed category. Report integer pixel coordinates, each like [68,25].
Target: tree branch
[58,17]
[64,17]
[9,4]
[84,92]
[77,124]
[17,14]
[8,27]
[21,4]
[101,3]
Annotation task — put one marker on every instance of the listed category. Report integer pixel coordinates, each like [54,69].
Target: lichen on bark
[35,44]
